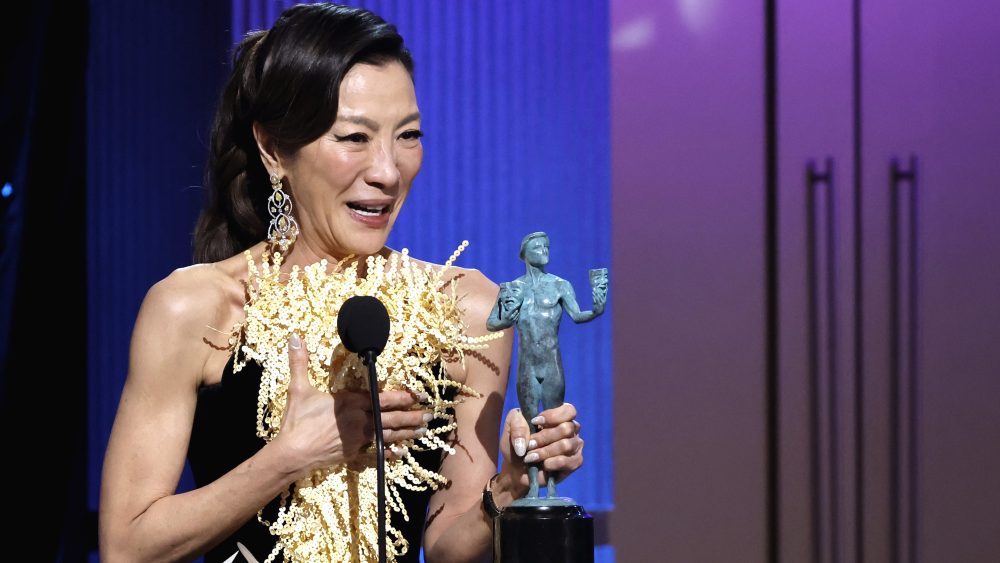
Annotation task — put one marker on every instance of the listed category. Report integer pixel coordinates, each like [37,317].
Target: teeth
[368,211]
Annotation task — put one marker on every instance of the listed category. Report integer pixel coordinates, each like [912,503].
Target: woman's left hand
[557,446]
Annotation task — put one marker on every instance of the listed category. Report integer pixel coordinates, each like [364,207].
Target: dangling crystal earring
[283,227]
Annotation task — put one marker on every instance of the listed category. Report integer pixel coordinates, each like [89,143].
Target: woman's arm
[458,528]
[141,517]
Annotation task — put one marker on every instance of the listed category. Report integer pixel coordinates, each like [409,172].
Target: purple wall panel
[932,90]
[688,210]
[816,280]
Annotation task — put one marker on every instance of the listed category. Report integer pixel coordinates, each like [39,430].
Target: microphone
[363,326]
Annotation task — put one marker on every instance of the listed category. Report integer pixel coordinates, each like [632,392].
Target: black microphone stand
[363,325]
[369,360]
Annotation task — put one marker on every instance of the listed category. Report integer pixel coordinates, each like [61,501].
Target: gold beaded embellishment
[332,515]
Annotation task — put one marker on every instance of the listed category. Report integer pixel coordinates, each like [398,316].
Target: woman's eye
[411,135]
[352,138]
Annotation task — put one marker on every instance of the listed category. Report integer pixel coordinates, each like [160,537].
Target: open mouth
[368,210]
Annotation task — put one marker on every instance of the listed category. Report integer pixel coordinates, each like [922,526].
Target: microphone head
[363,324]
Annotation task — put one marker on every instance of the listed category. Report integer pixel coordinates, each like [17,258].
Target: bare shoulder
[190,296]
[476,292]
[186,320]
[476,295]
[473,284]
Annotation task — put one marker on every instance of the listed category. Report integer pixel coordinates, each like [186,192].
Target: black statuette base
[543,534]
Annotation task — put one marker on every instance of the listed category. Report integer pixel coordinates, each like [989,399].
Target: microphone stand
[369,360]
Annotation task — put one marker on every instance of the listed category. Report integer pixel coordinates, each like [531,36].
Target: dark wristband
[489,505]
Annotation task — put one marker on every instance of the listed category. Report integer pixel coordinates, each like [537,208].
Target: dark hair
[288,80]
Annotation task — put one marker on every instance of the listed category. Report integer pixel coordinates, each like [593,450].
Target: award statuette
[545,527]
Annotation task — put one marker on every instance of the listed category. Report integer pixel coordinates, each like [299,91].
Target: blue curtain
[155,70]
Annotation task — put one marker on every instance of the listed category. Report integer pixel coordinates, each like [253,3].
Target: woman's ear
[266,148]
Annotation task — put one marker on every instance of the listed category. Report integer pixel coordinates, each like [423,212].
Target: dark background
[45,141]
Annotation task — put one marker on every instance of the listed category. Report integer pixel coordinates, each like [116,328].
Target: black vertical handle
[899,179]
[817,179]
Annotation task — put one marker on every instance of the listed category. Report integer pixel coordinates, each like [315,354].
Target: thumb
[519,432]
[298,367]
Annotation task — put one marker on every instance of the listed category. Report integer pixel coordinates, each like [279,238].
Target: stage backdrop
[515,105]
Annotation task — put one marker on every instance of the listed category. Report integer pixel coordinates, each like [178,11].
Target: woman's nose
[383,172]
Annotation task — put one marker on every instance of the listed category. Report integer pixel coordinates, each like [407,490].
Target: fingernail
[423,397]
[531,458]
[294,341]
[519,447]
[421,431]
[428,417]
[538,420]
[532,444]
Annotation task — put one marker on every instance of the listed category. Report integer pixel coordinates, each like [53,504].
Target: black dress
[224,435]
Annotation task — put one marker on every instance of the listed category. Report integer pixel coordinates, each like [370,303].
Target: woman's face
[349,185]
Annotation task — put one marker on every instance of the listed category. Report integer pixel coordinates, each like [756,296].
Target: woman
[320,109]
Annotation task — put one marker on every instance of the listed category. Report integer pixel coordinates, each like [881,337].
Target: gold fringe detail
[332,515]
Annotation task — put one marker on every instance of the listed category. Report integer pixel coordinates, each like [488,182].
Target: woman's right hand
[320,429]
[556,447]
